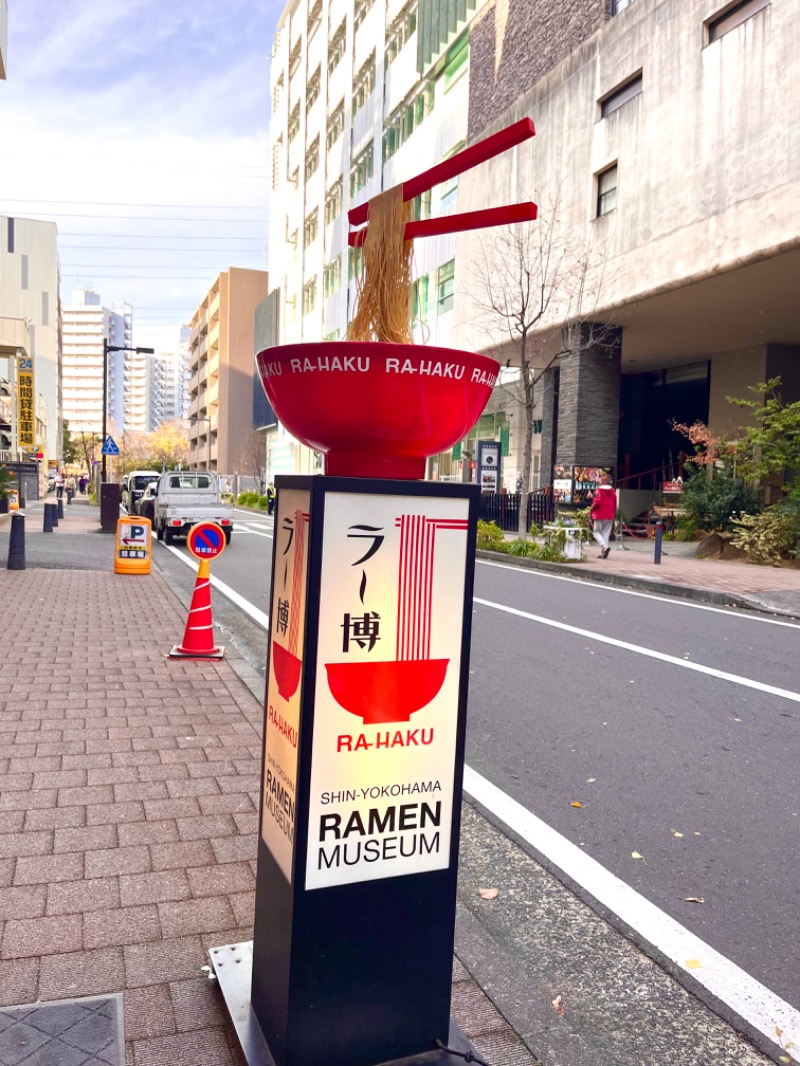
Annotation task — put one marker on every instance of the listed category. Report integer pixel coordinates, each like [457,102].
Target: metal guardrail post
[657,547]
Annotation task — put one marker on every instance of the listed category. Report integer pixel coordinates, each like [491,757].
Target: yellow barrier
[134,545]
[13,500]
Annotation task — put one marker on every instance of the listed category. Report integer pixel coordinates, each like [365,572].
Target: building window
[421,299]
[400,31]
[310,227]
[456,61]
[332,276]
[360,11]
[448,190]
[606,190]
[24,273]
[312,89]
[733,16]
[619,5]
[336,46]
[354,262]
[627,91]
[312,158]
[335,126]
[421,206]
[333,202]
[445,287]
[276,162]
[362,169]
[309,296]
[293,127]
[277,94]
[363,84]
[314,19]
[407,118]
[294,56]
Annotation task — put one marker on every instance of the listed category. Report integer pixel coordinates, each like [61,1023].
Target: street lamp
[205,418]
[106,349]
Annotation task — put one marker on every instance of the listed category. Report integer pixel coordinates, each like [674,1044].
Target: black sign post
[365,723]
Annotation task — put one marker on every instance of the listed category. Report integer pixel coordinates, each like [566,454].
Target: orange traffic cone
[198,639]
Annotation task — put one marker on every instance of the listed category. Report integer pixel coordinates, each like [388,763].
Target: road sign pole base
[178,653]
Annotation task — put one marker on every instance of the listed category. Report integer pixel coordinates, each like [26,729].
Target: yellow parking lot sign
[134,545]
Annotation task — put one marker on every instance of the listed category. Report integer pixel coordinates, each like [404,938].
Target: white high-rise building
[364,96]
[168,386]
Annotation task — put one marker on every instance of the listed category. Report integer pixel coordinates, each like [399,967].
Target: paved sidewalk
[128,805]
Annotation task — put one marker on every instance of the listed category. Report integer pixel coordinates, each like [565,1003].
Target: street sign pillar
[364,731]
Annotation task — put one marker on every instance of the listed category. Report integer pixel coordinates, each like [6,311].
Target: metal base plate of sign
[233,968]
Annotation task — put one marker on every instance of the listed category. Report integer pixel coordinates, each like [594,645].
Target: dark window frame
[731,17]
[623,94]
[602,194]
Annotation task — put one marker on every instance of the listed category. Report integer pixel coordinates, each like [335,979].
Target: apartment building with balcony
[168,386]
[222,368]
[365,94]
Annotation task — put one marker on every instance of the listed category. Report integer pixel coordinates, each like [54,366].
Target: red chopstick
[455,165]
[436,227]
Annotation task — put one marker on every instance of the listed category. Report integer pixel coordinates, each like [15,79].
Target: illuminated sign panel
[387,687]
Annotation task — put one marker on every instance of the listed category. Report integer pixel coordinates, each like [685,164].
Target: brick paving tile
[129,731]
[41,936]
[149,743]
[113,775]
[197,998]
[235,849]
[205,827]
[221,879]
[203,1047]
[99,746]
[147,833]
[104,813]
[177,772]
[55,818]
[182,855]
[45,869]
[16,751]
[196,916]
[247,823]
[237,935]
[193,786]
[84,797]
[33,763]
[244,907]
[7,870]
[125,925]
[148,1013]
[211,769]
[19,979]
[87,762]
[166,960]
[228,803]
[141,790]
[12,821]
[82,973]
[183,755]
[241,783]
[87,838]
[72,897]
[27,901]
[158,887]
[117,861]
[17,782]
[187,807]
[61,779]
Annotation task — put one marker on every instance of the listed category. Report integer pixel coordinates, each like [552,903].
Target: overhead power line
[158,236]
[150,218]
[122,203]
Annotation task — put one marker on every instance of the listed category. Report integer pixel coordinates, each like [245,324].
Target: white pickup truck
[184,498]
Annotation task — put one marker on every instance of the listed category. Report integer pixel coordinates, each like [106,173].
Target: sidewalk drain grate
[70,1032]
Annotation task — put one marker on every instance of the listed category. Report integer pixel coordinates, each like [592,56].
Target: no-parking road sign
[206,540]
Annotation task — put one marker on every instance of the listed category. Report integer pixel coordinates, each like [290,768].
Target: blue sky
[115,103]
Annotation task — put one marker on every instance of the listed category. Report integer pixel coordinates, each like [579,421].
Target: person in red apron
[604,511]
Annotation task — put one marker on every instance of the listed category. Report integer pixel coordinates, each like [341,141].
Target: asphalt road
[694,772]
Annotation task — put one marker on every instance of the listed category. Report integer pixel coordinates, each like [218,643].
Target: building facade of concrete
[667,165]
[222,368]
[168,386]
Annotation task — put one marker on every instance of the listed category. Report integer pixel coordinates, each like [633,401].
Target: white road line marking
[255,517]
[686,664]
[746,996]
[242,528]
[674,600]
[248,608]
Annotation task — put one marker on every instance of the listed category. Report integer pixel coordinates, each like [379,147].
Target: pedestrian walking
[82,483]
[69,485]
[604,511]
[59,479]
[270,498]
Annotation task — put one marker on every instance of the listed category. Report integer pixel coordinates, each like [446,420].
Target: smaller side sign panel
[282,712]
[206,540]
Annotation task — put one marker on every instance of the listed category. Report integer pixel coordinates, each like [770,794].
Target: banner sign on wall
[26,404]
[387,687]
[282,717]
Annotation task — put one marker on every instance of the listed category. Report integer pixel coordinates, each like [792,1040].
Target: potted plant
[8,484]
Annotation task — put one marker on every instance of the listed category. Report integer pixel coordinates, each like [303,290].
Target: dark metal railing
[503,508]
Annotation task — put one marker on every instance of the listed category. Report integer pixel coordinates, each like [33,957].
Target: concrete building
[221,346]
[365,94]
[168,385]
[668,145]
[29,287]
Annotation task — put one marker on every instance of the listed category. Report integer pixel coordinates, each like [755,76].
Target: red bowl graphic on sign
[286,668]
[376,410]
[383,692]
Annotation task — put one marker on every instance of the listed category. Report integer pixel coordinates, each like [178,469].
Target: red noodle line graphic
[415,582]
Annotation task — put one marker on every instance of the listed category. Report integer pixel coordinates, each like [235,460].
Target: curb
[685,592]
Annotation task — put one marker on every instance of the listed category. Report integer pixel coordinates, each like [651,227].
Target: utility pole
[106,349]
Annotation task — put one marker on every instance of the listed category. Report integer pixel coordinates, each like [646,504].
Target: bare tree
[528,280]
[252,458]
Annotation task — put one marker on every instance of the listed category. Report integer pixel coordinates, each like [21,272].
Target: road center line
[685,664]
[248,608]
[242,528]
[747,997]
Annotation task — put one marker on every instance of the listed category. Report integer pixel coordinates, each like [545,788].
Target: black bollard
[16,543]
[657,547]
[60,510]
[47,523]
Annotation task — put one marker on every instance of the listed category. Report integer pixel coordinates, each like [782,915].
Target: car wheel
[169,536]
[228,535]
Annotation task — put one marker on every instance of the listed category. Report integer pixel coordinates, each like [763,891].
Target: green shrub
[263,503]
[717,503]
[490,536]
[248,499]
[535,531]
[521,548]
[766,537]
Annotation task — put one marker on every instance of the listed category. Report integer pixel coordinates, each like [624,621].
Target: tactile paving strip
[70,1032]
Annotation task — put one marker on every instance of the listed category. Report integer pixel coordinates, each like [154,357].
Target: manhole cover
[71,1032]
